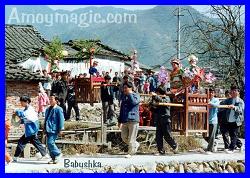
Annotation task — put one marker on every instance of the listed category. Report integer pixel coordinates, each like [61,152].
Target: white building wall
[107,65]
[83,67]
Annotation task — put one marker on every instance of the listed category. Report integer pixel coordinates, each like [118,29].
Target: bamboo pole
[223,106]
[165,104]
[152,95]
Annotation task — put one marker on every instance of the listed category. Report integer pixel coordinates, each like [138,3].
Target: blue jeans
[53,149]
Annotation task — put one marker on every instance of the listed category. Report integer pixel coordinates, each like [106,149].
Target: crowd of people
[126,89]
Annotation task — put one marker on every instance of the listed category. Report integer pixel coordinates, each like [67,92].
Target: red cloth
[145,116]
[7,129]
[97,79]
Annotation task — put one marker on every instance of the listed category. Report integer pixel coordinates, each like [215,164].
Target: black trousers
[31,139]
[163,130]
[62,104]
[73,105]
[230,130]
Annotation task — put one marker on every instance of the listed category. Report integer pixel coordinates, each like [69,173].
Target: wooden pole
[92,50]
[165,104]
[207,121]
[224,106]
[185,129]
[149,95]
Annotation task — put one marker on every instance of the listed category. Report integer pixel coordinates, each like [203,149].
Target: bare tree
[221,40]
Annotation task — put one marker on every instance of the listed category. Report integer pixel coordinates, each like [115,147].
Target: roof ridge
[31,27]
[19,25]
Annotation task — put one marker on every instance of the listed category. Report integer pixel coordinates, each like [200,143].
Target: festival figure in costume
[194,69]
[176,76]
[134,62]
[163,75]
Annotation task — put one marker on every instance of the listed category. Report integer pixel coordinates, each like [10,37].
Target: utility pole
[178,46]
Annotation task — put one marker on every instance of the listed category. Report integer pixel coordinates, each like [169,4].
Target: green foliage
[54,52]
[84,47]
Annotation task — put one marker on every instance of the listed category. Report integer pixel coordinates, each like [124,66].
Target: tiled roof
[21,42]
[104,50]
[14,72]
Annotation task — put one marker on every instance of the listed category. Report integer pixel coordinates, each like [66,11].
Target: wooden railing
[189,112]
[87,92]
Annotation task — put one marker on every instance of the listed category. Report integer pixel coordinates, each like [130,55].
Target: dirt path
[87,163]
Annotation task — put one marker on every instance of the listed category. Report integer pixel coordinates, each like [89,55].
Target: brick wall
[13,92]
[16,89]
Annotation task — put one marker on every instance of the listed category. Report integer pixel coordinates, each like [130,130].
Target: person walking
[162,118]
[29,118]
[43,101]
[142,80]
[61,91]
[129,118]
[213,122]
[117,81]
[234,116]
[53,126]
[71,100]
[47,84]
[107,97]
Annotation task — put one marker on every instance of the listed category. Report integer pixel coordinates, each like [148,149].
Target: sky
[201,8]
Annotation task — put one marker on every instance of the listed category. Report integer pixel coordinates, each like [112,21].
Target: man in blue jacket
[92,69]
[53,126]
[129,117]
[29,118]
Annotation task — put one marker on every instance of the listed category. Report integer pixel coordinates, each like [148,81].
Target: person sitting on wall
[93,69]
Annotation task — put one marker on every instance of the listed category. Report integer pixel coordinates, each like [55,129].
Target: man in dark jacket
[107,97]
[117,80]
[54,83]
[129,117]
[71,100]
[233,118]
[163,121]
[62,91]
